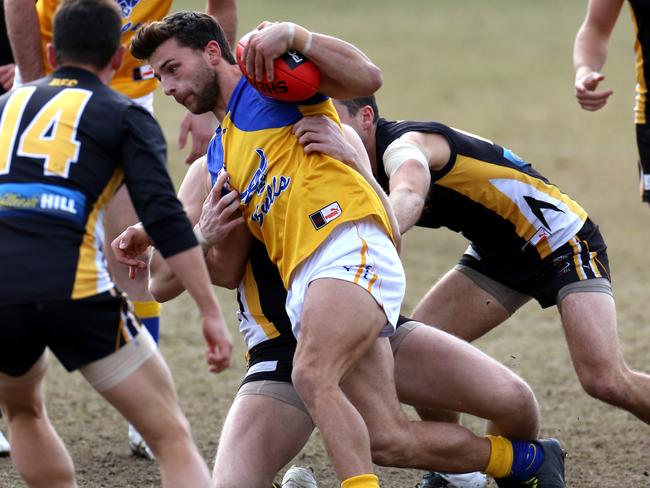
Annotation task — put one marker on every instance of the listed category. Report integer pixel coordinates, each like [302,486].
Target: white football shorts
[360,252]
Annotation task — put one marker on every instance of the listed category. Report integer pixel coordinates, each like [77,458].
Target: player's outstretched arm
[25,37]
[590,52]
[346,72]
[189,271]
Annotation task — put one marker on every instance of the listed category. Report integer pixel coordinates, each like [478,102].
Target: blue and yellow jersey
[490,195]
[134,78]
[640,11]
[291,201]
[67,142]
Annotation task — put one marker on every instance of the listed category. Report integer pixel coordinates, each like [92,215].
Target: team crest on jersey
[127,6]
[325,215]
[259,186]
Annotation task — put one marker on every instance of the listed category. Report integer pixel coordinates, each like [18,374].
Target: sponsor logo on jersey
[541,234]
[144,72]
[63,82]
[258,186]
[325,215]
[51,200]
[514,158]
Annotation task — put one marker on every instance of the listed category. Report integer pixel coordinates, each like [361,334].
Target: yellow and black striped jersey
[490,195]
[135,78]
[67,142]
[263,319]
[640,11]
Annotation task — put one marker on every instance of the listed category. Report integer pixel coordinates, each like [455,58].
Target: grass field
[501,69]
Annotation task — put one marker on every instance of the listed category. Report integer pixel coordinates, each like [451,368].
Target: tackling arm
[322,134]
[408,162]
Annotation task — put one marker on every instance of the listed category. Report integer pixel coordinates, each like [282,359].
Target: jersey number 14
[51,135]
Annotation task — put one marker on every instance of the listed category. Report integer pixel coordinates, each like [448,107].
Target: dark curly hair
[190,29]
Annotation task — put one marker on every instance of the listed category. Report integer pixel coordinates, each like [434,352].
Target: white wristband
[307,47]
[292,32]
[205,245]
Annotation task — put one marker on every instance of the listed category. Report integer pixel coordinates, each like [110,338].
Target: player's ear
[118,57]
[367,116]
[212,52]
[50,55]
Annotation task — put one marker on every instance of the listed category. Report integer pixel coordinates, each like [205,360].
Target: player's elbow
[160,292]
[376,79]
[227,282]
[372,81]
[226,278]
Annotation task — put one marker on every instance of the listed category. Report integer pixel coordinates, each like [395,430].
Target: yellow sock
[145,310]
[501,456]
[361,481]
[149,315]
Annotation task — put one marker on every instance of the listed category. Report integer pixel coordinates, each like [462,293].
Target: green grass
[501,69]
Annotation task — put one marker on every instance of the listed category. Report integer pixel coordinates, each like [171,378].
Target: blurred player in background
[69,142]
[589,56]
[29,25]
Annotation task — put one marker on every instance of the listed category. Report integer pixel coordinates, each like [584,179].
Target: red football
[296,77]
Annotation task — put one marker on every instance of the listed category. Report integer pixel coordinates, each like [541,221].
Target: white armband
[401,150]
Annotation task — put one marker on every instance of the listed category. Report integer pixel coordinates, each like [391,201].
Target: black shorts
[271,360]
[78,332]
[643,144]
[584,257]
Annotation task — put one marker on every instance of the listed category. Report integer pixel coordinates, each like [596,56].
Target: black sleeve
[150,187]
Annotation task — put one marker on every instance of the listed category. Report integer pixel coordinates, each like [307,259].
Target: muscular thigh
[434,369]
[336,337]
[264,430]
[371,388]
[460,306]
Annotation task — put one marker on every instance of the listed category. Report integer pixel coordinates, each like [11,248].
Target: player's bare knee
[521,399]
[311,381]
[607,387]
[167,434]
[19,411]
[390,447]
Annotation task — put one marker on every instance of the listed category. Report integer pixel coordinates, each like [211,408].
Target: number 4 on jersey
[51,135]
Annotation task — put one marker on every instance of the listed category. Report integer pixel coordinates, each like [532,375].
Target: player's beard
[207,91]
